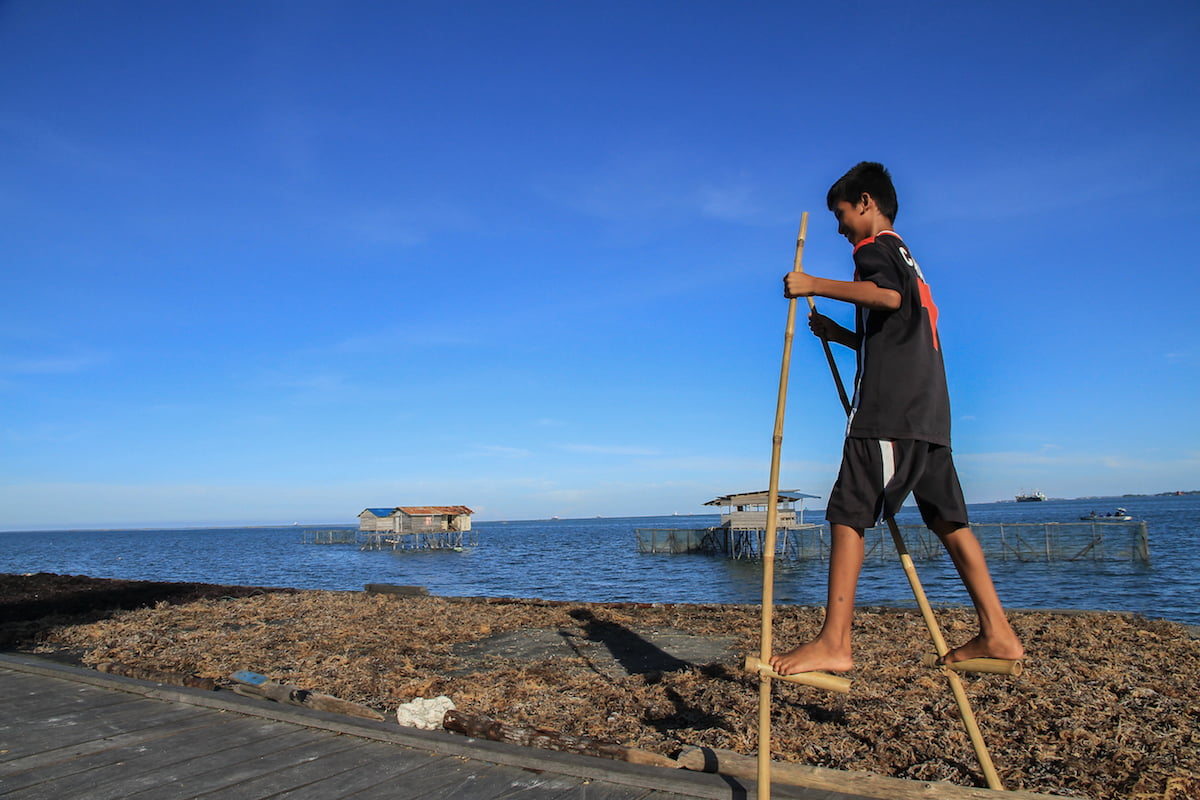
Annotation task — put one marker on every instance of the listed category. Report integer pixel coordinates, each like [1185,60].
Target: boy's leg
[996,637]
[830,651]
[853,506]
[940,499]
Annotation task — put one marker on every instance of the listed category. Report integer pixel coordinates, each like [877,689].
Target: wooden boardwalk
[67,732]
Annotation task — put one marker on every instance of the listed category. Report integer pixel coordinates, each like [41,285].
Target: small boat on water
[1120,515]
[1031,497]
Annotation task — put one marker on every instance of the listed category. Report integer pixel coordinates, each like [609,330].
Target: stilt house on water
[743,527]
[748,512]
[415,527]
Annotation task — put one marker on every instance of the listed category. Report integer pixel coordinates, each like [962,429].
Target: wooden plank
[40,706]
[444,779]
[161,768]
[602,791]
[521,783]
[22,700]
[299,767]
[116,774]
[85,755]
[380,779]
[204,774]
[481,781]
[553,787]
[85,724]
[44,713]
[113,719]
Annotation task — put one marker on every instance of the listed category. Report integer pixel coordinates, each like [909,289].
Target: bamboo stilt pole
[768,551]
[837,380]
[935,632]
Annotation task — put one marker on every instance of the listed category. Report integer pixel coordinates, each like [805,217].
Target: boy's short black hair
[870,177]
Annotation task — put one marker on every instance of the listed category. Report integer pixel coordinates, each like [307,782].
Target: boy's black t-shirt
[900,387]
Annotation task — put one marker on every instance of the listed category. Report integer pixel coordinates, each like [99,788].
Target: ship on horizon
[1031,497]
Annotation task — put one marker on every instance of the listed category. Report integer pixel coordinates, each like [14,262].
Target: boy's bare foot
[1004,647]
[813,656]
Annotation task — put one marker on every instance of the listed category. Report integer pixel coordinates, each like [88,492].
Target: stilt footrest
[994,666]
[819,680]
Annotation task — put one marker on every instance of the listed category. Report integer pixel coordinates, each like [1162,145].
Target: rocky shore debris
[1107,708]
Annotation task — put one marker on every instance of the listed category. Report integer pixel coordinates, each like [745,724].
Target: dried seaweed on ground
[1107,707]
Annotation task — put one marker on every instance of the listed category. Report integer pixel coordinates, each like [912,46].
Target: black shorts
[877,475]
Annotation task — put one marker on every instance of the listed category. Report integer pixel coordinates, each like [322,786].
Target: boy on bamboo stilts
[898,434]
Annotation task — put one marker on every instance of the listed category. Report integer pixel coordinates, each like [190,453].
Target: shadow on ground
[605,647]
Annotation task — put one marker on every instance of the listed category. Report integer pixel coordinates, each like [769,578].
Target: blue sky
[282,261]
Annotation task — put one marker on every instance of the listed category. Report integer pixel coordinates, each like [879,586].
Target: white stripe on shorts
[889,461]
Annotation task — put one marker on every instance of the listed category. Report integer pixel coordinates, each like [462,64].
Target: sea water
[596,560]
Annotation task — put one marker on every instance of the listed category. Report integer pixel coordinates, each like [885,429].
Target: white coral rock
[424,713]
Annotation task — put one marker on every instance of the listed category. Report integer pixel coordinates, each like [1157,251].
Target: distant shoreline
[189,526]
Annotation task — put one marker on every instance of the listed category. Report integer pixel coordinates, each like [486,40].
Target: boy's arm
[866,294]
[830,331]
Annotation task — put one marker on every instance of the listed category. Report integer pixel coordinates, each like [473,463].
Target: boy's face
[853,221]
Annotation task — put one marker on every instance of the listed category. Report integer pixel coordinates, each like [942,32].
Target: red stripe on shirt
[870,239]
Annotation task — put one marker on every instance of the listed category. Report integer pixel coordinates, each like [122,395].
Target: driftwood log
[156,675]
[863,784]
[396,589]
[483,727]
[295,696]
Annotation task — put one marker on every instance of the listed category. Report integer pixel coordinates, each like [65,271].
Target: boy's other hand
[799,284]
[822,326]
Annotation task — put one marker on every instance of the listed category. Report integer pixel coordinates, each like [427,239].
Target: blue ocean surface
[596,560]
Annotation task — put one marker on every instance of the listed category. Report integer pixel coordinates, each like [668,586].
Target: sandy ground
[1108,706]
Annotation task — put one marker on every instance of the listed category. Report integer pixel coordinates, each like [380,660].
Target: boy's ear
[865,200]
